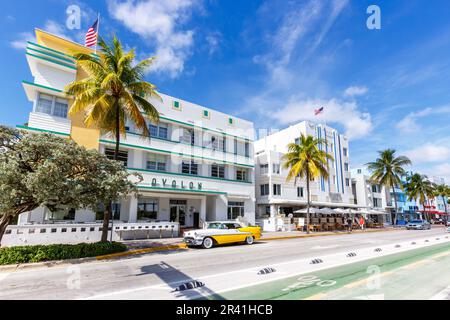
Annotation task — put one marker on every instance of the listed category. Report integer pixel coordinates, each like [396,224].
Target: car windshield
[417,221]
[215,225]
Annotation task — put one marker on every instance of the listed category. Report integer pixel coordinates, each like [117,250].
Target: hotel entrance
[178,211]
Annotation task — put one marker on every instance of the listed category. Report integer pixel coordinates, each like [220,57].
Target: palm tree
[306,160]
[418,187]
[443,191]
[113,93]
[388,170]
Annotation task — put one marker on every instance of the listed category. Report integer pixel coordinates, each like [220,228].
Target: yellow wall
[87,137]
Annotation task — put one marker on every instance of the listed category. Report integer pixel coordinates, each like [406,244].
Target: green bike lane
[415,274]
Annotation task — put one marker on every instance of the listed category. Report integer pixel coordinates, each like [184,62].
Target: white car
[222,232]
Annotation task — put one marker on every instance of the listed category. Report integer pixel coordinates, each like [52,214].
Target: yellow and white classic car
[222,232]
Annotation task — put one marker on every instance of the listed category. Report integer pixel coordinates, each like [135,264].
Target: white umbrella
[311,210]
[327,211]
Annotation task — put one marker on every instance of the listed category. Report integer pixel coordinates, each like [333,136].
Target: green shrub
[40,253]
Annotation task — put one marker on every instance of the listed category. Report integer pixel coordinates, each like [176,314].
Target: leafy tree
[443,191]
[43,170]
[305,160]
[418,187]
[388,170]
[113,93]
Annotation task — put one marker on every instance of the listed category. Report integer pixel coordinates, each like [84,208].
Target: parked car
[222,232]
[418,225]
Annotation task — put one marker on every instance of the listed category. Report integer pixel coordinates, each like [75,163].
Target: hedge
[41,253]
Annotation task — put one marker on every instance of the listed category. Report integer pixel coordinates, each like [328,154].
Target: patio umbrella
[311,210]
[327,211]
[343,211]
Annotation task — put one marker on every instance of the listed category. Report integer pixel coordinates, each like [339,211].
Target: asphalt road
[225,271]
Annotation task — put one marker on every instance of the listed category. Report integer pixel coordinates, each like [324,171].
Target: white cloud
[213,40]
[356,123]
[356,91]
[21,42]
[442,170]
[57,29]
[429,152]
[409,123]
[160,22]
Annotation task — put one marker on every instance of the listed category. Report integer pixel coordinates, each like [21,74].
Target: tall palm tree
[306,160]
[113,93]
[443,191]
[418,187]
[388,170]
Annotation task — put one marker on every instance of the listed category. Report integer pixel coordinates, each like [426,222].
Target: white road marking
[443,295]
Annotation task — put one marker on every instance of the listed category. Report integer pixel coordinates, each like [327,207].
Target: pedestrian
[349,224]
[361,222]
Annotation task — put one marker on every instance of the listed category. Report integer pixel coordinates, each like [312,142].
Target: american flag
[91,35]
[318,111]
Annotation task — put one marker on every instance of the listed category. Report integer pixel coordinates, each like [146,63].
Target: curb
[48,264]
[180,246]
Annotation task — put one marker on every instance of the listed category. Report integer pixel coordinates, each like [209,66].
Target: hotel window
[346,166]
[206,114]
[359,171]
[214,143]
[230,121]
[347,182]
[147,210]
[188,136]
[189,167]
[60,215]
[265,190]
[376,188]
[264,168]
[241,174]
[159,131]
[235,146]
[52,105]
[345,152]
[156,162]
[247,149]
[377,203]
[297,141]
[122,156]
[300,193]
[277,189]
[276,168]
[235,210]
[177,105]
[218,171]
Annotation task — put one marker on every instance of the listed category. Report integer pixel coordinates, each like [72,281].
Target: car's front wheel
[249,240]
[208,243]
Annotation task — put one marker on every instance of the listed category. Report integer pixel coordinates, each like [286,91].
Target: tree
[388,170]
[306,160]
[43,170]
[419,188]
[443,191]
[112,94]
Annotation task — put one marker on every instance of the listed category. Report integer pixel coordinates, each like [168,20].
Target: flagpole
[98,30]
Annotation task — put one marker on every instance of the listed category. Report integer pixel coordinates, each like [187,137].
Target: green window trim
[44,87]
[56,51]
[71,61]
[42,130]
[177,153]
[188,175]
[52,61]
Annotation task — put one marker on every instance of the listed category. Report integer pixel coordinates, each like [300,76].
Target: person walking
[361,222]
[349,224]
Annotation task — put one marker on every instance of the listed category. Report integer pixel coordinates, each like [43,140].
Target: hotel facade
[197,166]
[275,196]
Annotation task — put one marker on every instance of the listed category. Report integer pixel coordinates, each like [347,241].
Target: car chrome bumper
[192,241]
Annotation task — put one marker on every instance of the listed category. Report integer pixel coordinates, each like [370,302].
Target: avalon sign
[166,183]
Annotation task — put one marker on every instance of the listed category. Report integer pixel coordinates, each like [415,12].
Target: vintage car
[222,232]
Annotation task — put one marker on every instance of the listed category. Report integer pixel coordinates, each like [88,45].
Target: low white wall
[87,233]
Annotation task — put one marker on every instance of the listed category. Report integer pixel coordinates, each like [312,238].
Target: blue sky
[274,62]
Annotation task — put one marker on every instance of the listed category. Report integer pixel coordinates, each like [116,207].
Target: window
[156,162]
[346,166]
[188,136]
[276,168]
[247,149]
[115,207]
[177,105]
[241,174]
[297,141]
[347,182]
[264,168]
[206,114]
[377,203]
[122,156]
[264,190]
[59,215]
[214,143]
[345,152]
[300,193]
[235,210]
[159,131]
[189,167]
[376,188]
[52,105]
[218,171]
[277,189]
[230,121]
[147,209]
[359,171]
